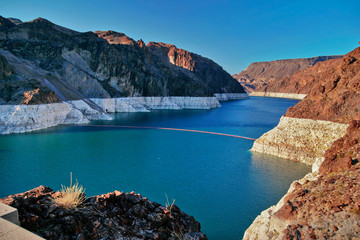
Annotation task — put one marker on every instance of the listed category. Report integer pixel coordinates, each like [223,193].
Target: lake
[214,178]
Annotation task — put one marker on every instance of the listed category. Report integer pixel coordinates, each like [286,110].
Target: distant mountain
[71,65]
[260,74]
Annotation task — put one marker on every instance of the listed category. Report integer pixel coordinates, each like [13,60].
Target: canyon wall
[102,64]
[81,76]
[323,130]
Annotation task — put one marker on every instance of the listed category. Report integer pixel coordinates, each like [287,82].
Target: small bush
[72,196]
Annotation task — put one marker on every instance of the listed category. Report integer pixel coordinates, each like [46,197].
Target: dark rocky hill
[77,65]
[260,74]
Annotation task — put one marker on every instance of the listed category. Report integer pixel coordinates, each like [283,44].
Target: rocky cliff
[202,68]
[43,63]
[110,64]
[261,74]
[325,203]
[115,215]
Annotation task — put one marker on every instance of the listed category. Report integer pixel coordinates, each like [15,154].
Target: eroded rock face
[268,76]
[302,140]
[115,215]
[26,118]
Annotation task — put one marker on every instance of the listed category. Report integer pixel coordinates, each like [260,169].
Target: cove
[214,178]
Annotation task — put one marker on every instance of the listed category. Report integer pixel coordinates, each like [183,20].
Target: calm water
[214,178]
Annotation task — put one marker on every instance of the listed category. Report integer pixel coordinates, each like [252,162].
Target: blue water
[214,178]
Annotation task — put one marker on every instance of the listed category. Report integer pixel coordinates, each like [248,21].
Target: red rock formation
[345,152]
[176,56]
[264,76]
[327,208]
[335,92]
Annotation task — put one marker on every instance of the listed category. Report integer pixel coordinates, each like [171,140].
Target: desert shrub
[72,196]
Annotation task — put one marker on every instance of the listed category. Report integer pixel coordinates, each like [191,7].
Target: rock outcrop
[298,139]
[26,118]
[115,215]
[261,74]
[325,203]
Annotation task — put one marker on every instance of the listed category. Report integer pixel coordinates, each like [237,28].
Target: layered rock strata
[115,215]
[279,95]
[302,140]
[26,118]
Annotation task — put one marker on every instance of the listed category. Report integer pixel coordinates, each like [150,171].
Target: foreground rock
[259,75]
[316,207]
[113,215]
[325,203]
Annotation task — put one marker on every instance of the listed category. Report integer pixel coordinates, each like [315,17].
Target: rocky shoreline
[27,118]
[115,215]
[278,95]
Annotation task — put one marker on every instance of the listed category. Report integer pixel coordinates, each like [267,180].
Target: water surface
[214,178]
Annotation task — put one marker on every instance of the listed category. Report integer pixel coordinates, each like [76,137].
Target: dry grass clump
[72,196]
[169,206]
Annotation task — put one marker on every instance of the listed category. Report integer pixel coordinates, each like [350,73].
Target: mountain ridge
[114,64]
[258,75]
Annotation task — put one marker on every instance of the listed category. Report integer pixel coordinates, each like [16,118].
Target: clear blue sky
[232,33]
